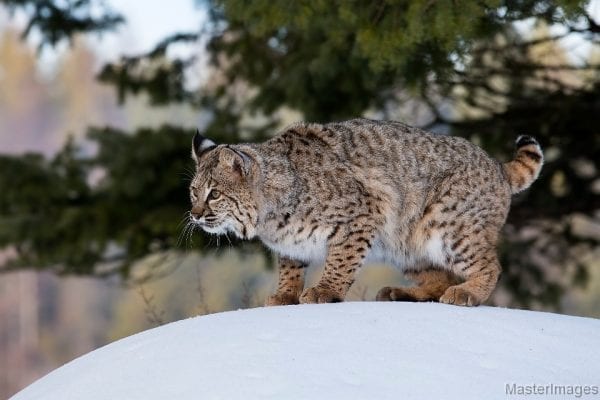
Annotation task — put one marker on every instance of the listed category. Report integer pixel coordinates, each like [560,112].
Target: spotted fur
[347,193]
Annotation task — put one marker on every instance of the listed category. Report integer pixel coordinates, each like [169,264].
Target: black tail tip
[524,140]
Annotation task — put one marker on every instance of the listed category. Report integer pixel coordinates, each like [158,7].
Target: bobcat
[351,192]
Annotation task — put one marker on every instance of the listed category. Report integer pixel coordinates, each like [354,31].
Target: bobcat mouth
[209,224]
[220,227]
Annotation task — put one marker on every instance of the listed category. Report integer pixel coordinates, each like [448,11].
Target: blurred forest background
[95,131]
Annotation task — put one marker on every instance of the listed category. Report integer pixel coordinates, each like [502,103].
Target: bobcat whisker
[229,240]
[185,234]
[182,233]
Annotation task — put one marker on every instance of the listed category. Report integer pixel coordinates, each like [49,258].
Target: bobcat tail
[526,166]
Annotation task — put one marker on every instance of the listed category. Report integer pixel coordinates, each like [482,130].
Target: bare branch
[153,315]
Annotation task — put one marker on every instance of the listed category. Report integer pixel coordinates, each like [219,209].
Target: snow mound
[356,350]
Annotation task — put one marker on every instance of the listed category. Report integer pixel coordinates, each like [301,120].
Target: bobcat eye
[214,194]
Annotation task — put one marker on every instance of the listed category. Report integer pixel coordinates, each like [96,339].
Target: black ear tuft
[201,144]
[524,140]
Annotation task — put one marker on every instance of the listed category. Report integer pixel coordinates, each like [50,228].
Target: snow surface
[357,350]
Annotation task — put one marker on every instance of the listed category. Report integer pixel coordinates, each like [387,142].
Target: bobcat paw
[320,295]
[393,294]
[459,296]
[281,299]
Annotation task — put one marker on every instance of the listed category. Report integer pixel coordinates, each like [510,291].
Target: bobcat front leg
[347,249]
[291,283]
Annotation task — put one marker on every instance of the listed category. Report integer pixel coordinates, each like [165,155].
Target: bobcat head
[222,191]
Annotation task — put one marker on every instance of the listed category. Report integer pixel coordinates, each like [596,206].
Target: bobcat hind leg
[481,276]
[432,283]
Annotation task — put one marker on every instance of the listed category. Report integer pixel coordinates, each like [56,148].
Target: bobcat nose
[196,214]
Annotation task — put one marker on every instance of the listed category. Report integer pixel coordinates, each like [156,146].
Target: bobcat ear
[238,160]
[200,144]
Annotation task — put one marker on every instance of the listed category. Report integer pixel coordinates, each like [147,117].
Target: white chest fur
[309,250]
[314,250]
